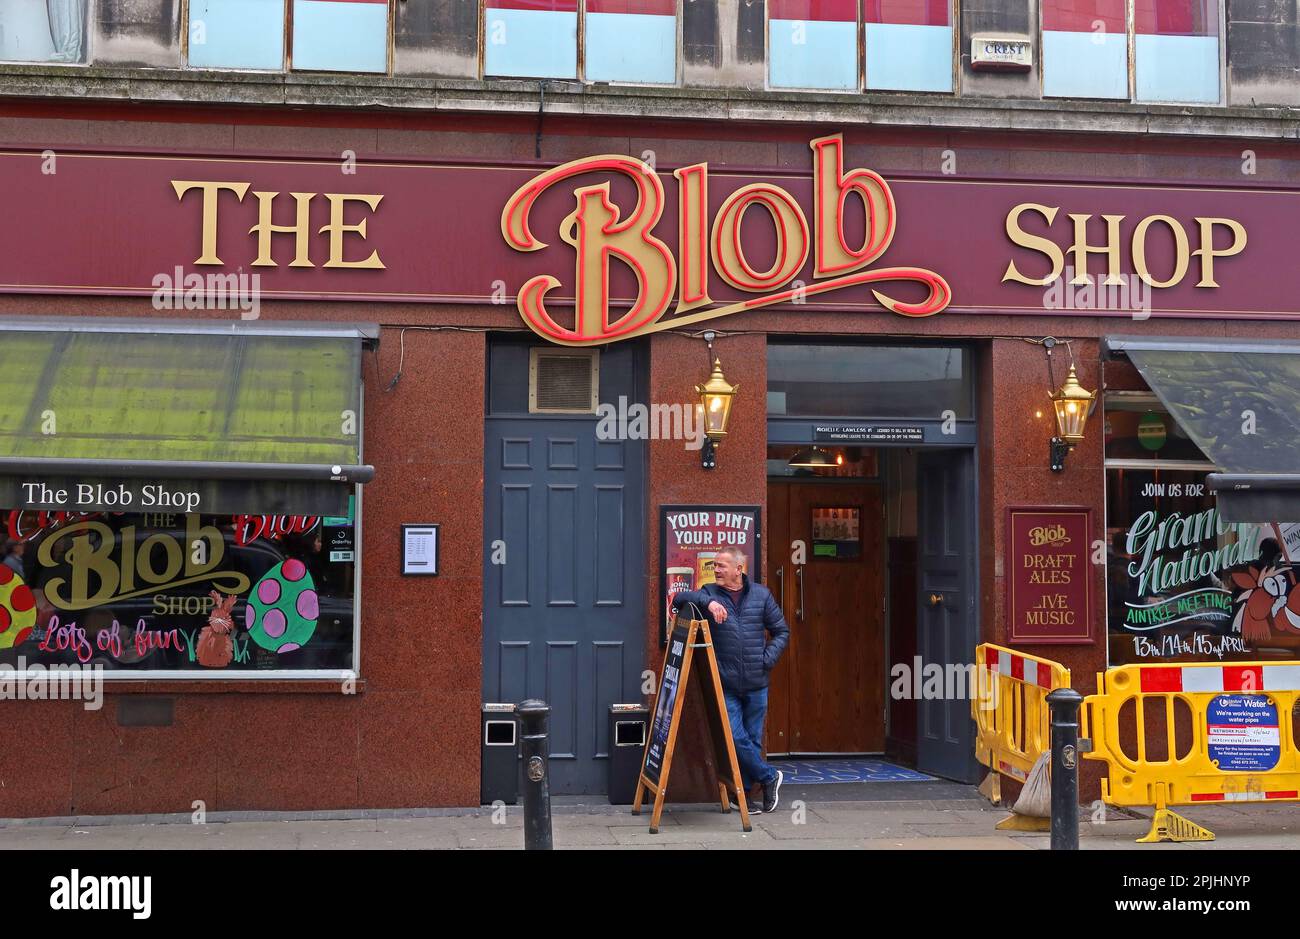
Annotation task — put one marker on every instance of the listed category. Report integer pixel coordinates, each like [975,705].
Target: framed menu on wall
[1049,577]
[689,539]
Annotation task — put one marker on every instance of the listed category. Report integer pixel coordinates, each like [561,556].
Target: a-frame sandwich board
[690,635]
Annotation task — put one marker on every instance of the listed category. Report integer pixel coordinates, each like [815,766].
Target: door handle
[936,599]
[780,586]
[798,574]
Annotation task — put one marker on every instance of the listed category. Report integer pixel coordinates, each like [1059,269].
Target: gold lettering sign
[300,229]
[1054,535]
[1209,234]
[602,233]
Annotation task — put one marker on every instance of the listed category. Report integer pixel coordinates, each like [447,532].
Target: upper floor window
[327,35]
[631,41]
[1175,47]
[907,45]
[43,30]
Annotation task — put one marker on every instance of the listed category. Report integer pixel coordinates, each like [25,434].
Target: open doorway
[872,505]
[871,559]
[825,694]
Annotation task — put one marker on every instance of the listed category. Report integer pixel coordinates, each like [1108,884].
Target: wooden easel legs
[658,812]
[723,797]
[742,800]
[726,767]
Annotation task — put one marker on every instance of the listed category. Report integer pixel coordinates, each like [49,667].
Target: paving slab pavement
[942,816]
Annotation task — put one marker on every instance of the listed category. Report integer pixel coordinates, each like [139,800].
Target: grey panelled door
[946,618]
[564,617]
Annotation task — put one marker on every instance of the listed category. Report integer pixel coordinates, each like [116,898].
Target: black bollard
[1064,703]
[537,788]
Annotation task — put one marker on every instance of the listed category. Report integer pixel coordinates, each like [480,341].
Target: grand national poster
[1183,585]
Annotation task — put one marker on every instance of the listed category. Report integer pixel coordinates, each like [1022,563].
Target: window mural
[1184,585]
[177,592]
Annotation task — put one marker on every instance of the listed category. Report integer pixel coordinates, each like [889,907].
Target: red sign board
[690,537]
[148,224]
[1049,576]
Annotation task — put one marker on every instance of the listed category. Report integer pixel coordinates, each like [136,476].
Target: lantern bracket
[709,456]
[1058,450]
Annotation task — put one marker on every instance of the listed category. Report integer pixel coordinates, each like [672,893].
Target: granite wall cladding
[409,737]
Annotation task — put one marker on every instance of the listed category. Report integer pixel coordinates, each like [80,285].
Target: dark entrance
[564,614]
[946,618]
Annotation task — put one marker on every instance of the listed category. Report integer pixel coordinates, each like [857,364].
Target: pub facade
[323,428]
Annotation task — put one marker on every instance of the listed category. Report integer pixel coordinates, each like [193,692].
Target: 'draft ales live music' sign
[1049,577]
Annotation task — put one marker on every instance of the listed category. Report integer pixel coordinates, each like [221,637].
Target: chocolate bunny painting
[216,647]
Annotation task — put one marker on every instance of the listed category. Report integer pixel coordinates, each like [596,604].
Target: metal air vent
[563,381]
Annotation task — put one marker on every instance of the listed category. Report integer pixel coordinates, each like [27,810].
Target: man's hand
[718,610]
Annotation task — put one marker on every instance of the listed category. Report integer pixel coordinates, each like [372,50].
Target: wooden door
[830,691]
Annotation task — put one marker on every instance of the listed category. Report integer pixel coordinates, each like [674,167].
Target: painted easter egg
[283,608]
[17,608]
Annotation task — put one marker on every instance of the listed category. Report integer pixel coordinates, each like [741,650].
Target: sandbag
[1036,796]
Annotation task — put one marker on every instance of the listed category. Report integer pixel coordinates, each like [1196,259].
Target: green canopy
[181,399]
[1239,402]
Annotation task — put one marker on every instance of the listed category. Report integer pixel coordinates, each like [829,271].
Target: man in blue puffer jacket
[742,614]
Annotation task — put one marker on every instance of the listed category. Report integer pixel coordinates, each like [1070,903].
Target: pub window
[327,35]
[1179,579]
[1175,45]
[175,592]
[907,44]
[43,30]
[182,570]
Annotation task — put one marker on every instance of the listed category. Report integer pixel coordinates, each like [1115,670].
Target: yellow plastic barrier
[1234,742]
[1012,718]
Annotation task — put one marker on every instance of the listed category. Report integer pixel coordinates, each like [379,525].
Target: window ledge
[214,686]
[200,86]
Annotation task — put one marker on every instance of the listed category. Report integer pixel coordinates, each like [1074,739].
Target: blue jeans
[746,712]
